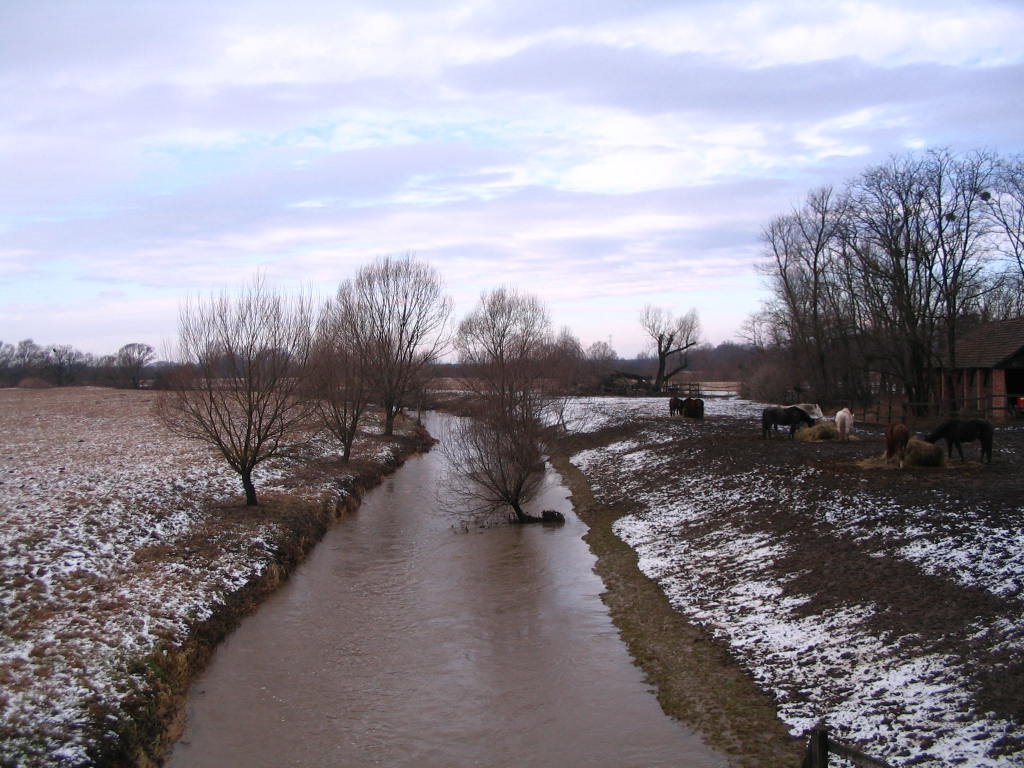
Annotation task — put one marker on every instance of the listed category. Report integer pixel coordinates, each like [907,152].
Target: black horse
[959,431]
[790,416]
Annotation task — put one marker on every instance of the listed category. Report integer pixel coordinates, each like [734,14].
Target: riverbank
[128,554]
[886,603]
[696,680]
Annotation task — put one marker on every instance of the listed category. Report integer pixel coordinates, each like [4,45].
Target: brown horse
[896,438]
[675,405]
[693,407]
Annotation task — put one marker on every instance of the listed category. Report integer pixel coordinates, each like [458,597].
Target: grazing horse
[693,407]
[896,438]
[790,416]
[675,405]
[844,423]
[958,431]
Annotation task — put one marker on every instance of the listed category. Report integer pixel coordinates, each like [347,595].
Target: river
[408,640]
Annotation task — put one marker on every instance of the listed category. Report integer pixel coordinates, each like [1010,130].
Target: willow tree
[398,326]
[241,359]
[131,362]
[505,346]
[338,375]
[671,336]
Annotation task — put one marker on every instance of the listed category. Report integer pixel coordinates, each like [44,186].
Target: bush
[769,382]
[31,382]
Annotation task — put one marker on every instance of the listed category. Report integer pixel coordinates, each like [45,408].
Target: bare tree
[64,362]
[338,376]
[1006,201]
[880,279]
[241,361]
[496,453]
[131,362]
[402,326]
[28,359]
[805,249]
[672,336]
[896,262]
[566,372]
[956,198]
[601,353]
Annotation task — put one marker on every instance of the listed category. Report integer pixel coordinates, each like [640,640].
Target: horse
[692,407]
[896,438]
[789,416]
[958,431]
[844,423]
[675,405]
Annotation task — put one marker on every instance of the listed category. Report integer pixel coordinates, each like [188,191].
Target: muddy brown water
[408,640]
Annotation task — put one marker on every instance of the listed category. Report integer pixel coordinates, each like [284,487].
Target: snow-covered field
[94,497]
[902,702]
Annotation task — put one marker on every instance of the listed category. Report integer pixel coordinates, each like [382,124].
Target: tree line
[872,283]
[27,363]
[257,369]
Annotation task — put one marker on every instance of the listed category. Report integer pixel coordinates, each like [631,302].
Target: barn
[989,370]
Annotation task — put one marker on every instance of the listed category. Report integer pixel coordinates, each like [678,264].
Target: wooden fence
[820,745]
[705,388]
[1010,408]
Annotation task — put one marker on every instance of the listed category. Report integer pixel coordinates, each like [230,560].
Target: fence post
[816,755]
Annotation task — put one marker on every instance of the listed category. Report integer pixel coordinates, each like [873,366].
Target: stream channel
[408,639]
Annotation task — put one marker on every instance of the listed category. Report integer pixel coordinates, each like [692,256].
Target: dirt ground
[696,678]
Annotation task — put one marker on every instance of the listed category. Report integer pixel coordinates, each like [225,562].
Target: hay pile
[821,430]
[918,454]
[924,454]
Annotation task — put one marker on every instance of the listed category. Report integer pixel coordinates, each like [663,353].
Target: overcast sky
[599,153]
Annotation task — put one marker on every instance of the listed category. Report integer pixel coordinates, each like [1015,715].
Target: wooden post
[819,741]
[816,755]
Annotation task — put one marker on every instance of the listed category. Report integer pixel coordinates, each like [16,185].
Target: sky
[603,155]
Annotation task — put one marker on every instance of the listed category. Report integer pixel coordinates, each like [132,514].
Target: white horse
[844,423]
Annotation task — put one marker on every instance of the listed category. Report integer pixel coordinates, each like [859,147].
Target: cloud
[603,154]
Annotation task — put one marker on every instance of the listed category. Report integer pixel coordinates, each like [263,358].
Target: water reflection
[403,642]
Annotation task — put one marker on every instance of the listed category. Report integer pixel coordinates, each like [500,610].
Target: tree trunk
[389,419]
[659,379]
[250,489]
[523,517]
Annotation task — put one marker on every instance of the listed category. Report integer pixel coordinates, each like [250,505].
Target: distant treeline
[27,364]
